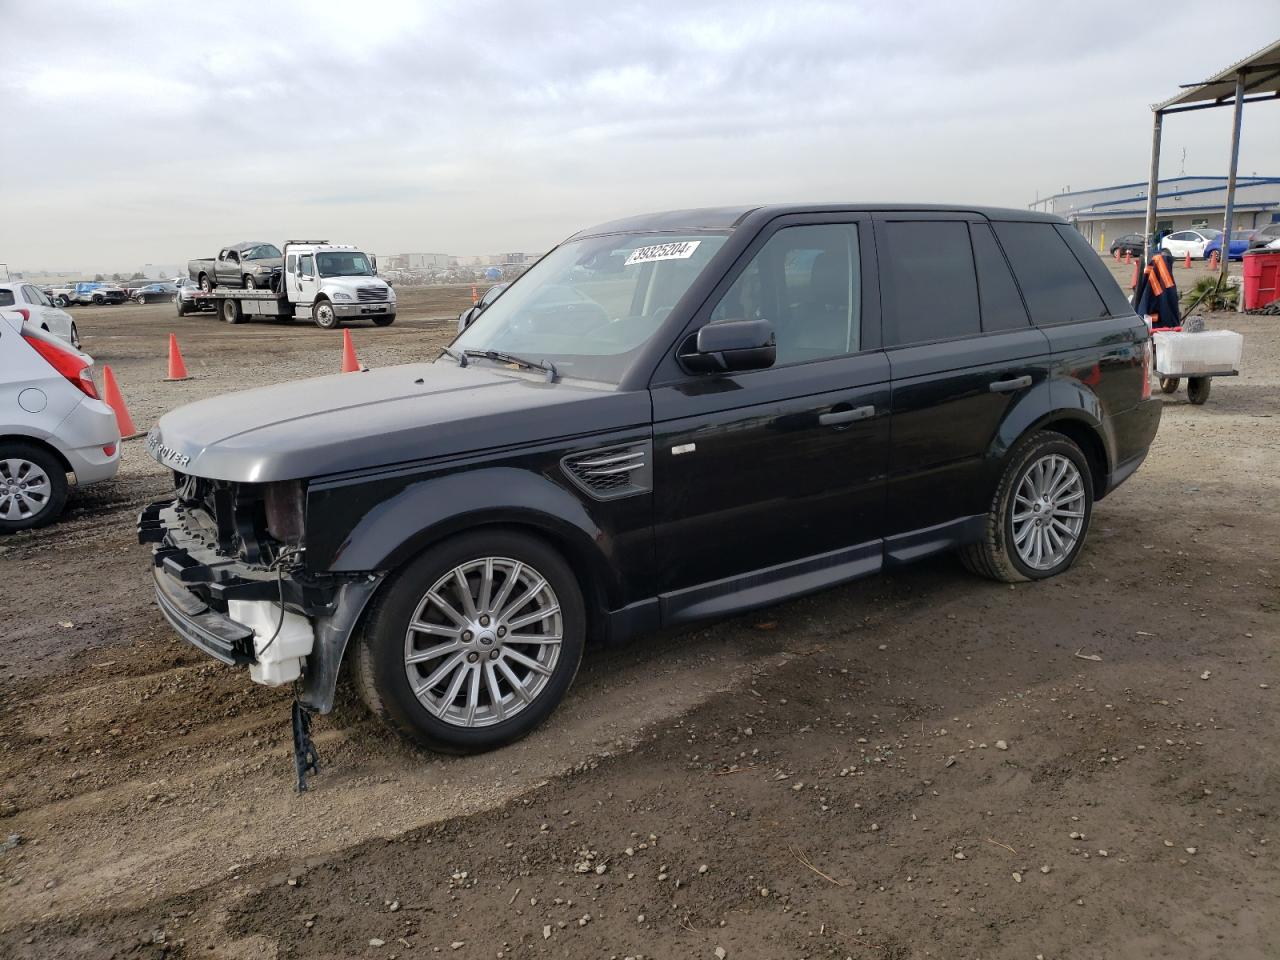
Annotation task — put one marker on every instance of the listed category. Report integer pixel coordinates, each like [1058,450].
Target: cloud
[157,131]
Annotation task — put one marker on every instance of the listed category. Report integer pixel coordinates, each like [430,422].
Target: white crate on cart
[1201,354]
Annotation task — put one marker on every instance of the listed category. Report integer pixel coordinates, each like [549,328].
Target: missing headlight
[283,502]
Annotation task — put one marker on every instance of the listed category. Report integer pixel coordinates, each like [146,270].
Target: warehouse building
[1182,203]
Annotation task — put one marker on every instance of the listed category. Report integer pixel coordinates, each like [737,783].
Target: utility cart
[1198,355]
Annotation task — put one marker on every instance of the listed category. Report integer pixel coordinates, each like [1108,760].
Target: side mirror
[469,316]
[729,346]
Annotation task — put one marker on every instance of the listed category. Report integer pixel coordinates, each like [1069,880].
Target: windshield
[264,252]
[344,263]
[590,305]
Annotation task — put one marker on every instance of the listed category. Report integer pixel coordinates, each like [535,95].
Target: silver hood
[359,421]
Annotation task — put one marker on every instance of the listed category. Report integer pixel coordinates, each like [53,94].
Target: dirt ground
[922,764]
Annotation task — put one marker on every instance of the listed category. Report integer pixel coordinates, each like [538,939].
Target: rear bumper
[1134,431]
[84,438]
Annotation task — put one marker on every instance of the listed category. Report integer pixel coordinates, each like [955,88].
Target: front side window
[306,265]
[807,282]
[590,305]
[345,263]
[930,290]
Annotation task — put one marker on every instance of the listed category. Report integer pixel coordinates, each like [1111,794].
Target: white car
[30,301]
[51,424]
[1188,241]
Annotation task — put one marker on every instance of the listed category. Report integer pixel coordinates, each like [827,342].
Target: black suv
[1129,243]
[671,417]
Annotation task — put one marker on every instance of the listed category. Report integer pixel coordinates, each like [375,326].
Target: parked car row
[1202,242]
[95,292]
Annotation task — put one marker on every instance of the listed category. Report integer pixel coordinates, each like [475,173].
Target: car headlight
[342,296]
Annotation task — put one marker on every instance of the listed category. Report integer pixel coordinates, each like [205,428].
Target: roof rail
[287,242]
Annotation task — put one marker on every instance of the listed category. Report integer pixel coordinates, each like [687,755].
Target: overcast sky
[157,132]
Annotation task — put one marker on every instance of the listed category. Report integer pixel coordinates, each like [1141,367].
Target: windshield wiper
[457,355]
[499,357]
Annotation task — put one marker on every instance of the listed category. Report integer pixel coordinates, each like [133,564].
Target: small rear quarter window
[1054,283]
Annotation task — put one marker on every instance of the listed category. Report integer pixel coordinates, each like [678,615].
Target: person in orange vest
[1157,294]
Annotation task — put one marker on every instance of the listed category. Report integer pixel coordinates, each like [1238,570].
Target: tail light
[70,363]
[1146,369]
[26,314]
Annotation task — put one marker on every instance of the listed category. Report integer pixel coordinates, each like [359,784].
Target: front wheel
[1170,384]
[1040,514]
[1198,389]
[75,336]
[249,283]
[323,314]
[61,301]
[474,643]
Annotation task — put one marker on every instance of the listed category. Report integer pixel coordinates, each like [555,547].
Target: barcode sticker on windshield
[663,251]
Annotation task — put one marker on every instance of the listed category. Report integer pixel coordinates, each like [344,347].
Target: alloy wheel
[25,489]
[483,642]
[1048,511]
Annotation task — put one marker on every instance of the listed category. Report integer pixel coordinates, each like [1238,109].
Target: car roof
[730,218]
[250,244]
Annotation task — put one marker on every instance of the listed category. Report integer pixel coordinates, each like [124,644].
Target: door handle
[1009,386]
[837,418]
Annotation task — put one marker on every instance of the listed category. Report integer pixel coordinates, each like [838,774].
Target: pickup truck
[253,265]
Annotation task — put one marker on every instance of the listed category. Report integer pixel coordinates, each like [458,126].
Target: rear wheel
[231,311]
[205,283]
[1170,384]
[181,305]
[1040,514]
[474,643]
[323,314]
[33,487]
[1198,389]
[61,301]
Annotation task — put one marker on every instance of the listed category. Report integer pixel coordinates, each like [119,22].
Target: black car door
[961,349]
[771,482]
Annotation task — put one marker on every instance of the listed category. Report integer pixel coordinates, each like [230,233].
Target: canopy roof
[1261,79]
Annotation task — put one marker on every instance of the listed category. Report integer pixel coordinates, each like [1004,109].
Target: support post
[1153,186]
[1229,215]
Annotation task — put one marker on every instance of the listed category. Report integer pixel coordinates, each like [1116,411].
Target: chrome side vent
[612,472]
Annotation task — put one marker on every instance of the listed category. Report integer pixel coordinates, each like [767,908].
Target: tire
[998,556]
[438,720]
[323,314]
[205,284]
[33,506]
[98,301]
[61,302]
[230,311]
[249,283]
[181,305]
[384,321]
[1198,389]
[75,336]
[1170,384]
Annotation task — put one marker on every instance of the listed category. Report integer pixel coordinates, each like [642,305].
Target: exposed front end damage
[231,579]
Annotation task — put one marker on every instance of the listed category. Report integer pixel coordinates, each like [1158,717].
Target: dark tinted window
[806,280]
[6,298]
[1056,287]
[1002,307]
[930,292]
[1104,281]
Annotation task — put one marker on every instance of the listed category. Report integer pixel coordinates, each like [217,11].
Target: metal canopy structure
[1254,79]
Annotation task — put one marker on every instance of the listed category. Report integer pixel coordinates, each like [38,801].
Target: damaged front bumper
[283,625]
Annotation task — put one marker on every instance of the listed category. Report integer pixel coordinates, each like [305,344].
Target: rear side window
[930,292]
[1002,307]
[6,298]
[1104,282]
[1056,287]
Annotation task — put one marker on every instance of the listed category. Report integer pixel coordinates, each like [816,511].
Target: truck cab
[333,282]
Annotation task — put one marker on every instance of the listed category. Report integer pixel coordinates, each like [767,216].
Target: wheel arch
[41,443]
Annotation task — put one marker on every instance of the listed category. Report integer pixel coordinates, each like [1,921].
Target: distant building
[1183,203]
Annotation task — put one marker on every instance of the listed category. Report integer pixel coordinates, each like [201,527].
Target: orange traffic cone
[1213,260]
[177,369]
[349,362]
[1115,254]
[475,297]
[1133,285]
[1128,256]
[113,399]
[1188,263]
